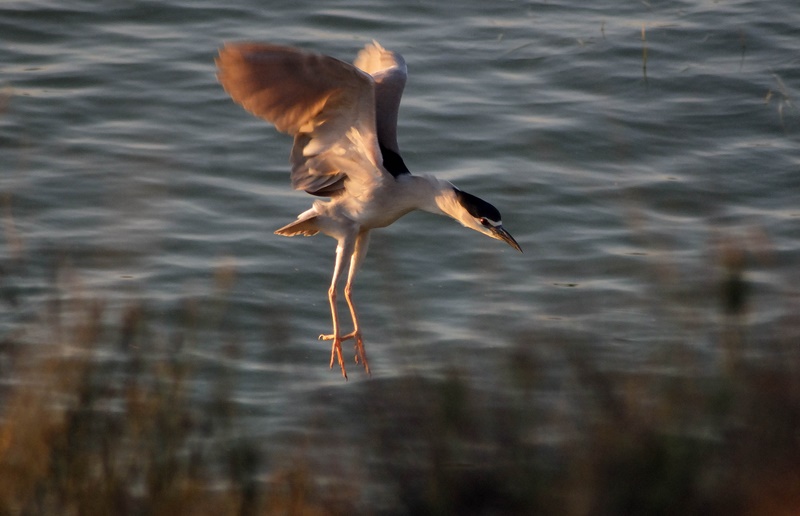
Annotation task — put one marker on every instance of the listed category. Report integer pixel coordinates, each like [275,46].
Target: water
[123,159]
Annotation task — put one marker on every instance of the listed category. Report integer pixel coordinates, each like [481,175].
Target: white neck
[410,193]
[439,197]
[434,196]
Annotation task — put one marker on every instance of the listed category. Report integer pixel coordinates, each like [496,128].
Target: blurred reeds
[97,417]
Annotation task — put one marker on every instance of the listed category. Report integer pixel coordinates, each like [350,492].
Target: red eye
[484,221]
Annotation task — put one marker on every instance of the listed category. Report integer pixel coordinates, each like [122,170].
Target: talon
[342,338]
[336,350]
[336,353]
[361,353]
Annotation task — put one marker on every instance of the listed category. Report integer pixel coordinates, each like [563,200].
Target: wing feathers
[328,106]
[286,86]
[389,71]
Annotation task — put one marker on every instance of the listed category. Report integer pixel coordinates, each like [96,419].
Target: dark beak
[501,234]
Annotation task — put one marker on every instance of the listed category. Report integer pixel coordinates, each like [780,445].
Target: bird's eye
[484,221]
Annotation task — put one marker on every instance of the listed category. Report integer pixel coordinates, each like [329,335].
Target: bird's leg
[362,242]
[344,248]
[361,354]
[336,346]
[357,256]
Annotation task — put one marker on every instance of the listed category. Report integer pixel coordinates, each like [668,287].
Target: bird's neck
[435,196]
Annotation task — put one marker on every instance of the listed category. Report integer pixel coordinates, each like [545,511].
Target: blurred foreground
[97,417]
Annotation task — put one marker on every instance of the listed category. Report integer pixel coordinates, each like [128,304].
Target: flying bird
[343,119]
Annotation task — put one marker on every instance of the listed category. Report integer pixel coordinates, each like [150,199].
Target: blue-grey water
[631,147]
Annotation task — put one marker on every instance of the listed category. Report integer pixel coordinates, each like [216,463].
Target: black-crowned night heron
[344,121]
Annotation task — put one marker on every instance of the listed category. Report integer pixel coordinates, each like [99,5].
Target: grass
[82,433]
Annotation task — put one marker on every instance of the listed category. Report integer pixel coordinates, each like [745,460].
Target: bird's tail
[305,227]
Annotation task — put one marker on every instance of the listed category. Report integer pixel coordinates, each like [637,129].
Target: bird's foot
[326,336]
[336,351]
[361,353]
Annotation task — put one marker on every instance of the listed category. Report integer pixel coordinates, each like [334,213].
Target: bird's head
[475,213]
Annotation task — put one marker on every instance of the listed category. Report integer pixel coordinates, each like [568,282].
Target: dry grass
[85,431]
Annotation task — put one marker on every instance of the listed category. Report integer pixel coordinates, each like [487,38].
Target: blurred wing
[326,104]
[389,71]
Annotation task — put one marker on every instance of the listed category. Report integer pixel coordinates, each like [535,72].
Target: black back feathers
[392,162]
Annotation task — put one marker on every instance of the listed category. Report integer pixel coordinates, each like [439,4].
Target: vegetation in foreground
[98,417]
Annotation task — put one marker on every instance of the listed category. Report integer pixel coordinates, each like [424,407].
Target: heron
[343,119]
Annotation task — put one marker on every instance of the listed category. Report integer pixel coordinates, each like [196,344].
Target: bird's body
[381,207]
[344,121]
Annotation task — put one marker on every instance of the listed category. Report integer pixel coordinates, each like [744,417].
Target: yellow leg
[336,346]
[357,256]
[361,354]
[344,249]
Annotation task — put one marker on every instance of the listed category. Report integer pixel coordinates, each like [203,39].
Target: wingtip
[223,59]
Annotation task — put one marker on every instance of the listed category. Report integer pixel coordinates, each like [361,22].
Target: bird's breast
[380,214]
[382,206]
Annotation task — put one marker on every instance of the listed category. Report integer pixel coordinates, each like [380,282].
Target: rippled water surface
[627,144]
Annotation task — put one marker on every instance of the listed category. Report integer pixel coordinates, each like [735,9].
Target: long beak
[500,233]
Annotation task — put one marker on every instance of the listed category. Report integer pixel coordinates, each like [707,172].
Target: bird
[343,118]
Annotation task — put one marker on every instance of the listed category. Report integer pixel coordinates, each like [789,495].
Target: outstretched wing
[326,104]
[389,71]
